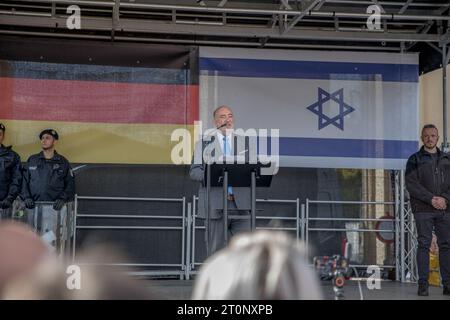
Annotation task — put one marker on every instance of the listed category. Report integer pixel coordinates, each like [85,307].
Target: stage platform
[390,290]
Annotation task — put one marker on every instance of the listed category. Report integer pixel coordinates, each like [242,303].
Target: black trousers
[235,226]
[426,222]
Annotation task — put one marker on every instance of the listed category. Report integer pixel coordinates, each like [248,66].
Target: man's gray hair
[218,108]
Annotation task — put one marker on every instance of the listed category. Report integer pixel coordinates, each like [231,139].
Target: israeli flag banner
[332,109]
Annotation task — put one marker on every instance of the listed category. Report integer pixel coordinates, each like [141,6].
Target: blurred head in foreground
[21,250]
[263,265]
[92,280]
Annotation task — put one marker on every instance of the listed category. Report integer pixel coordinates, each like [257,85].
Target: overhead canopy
[405,25]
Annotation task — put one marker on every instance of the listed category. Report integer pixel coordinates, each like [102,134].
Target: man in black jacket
[10,176]
[428,184]
[48,178]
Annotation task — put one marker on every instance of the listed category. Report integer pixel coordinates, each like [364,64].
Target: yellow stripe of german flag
[97,142]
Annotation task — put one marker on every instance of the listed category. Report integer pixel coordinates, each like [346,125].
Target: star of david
[324,120]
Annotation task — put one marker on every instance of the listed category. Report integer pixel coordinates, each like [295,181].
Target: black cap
[2,127]
[51,132]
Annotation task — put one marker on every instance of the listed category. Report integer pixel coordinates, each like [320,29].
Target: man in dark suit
[223,142]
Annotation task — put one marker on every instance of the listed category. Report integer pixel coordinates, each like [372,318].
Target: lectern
[235,175]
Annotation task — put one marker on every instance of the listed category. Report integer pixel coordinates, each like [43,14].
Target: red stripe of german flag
[100,102]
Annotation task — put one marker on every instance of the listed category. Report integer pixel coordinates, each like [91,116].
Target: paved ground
[181,290]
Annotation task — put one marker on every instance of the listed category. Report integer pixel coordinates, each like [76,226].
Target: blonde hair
[258,266]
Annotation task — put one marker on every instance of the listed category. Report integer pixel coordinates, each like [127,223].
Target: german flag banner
[109,102]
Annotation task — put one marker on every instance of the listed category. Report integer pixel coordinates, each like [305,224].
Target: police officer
[10,176]
[48,178]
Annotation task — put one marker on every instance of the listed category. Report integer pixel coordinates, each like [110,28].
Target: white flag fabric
[333,109]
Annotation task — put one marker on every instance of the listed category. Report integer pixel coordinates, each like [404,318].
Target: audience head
[21,250]
[263,265]
[90,280]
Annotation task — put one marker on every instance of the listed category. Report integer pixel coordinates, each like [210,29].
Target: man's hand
[5,204]
[58,204]
[29,203]
[439,203]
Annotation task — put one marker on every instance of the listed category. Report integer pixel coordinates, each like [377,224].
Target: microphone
[213,132]
[224,125]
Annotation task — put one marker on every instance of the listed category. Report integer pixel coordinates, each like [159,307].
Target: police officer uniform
[10,178]
[48,180]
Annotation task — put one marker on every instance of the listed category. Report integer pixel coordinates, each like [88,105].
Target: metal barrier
[307,219]
[62,222]
[190,227]
[181,228]
[193,227]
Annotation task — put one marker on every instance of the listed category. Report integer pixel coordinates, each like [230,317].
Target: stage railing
[191,241]
[182,229]
[194,227]
[307,219]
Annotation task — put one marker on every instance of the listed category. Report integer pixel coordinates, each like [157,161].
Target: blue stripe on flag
[309,69]
[349,148]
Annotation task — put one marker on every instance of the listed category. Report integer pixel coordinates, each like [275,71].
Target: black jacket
[10,174]
[48,180]
[424,180]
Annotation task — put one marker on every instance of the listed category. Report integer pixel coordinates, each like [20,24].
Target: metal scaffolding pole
[445,60]
[408,237]
[268,12]
[398,212]
[402,226]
